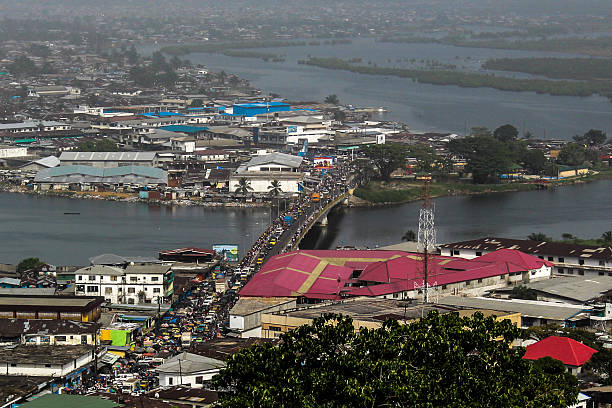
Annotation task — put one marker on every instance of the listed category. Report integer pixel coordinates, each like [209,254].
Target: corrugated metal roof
[88,174]
[108,156]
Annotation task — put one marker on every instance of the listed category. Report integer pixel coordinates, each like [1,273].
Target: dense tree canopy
[437,361]
[386,157]
[29,263]
[572,154]
[506,133]
[486,157]
[593,137]
[103,145]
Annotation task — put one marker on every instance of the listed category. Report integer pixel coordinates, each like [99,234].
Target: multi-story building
[569,259]
[142,283]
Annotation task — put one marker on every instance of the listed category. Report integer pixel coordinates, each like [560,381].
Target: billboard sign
[228,252]
[324,162]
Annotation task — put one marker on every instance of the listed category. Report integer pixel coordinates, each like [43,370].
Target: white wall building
[45,361]
[260,171]
[8,152]
[188,369]
[146,283]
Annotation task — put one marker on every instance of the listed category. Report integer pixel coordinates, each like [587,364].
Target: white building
[569,259]
[109,159]
[32,126]
[260,171]
[188,369]
[7,152]
[145,283]
[45,361]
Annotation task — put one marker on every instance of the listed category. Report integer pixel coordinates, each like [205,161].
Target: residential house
[570,352]
[188,369]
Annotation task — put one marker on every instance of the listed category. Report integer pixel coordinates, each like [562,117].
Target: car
[259,260]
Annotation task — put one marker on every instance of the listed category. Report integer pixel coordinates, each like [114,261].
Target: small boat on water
[72,213]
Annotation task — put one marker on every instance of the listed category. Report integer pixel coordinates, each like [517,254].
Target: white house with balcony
[137,283]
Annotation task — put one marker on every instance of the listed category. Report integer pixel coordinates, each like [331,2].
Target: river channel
[37,226]
[583,210]
[420,106]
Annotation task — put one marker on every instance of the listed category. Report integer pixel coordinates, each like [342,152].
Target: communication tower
[427,237]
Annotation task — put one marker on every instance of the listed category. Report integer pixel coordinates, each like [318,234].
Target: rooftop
[108,156]
[564,349]
[69,401]
[527,308]
[25,354]
[187,363]
[534,247]
[99,270]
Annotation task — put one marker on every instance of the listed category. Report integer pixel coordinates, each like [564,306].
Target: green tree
[29,263]
[437,361]
[593,137]
[506,133]
[386,157]
[196,103]
[424,155]
[538,236]
[274,189]
[600,364]
[572,154]
[23,66]
[244,186]
[410,236]
[486,156]
[332,99]
[103,145]
[523,292]
[534,160]
[566,236]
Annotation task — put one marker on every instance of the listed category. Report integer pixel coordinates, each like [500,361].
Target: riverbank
[131,198]
[471,80]
[394,192]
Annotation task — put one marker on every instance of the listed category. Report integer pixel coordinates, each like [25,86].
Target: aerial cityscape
[343,203]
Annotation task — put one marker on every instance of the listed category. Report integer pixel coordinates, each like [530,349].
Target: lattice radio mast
[427,234]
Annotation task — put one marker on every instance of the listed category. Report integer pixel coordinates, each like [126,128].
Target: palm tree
[607,236]
[244,186]
[409,236]
[538,236]
[274,191]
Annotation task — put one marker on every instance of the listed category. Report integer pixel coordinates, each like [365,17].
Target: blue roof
[162,114]
[184,128]
[261,104]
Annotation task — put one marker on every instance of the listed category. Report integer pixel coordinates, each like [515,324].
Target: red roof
[323,274]
[298,274]
[519,258]
[568,351]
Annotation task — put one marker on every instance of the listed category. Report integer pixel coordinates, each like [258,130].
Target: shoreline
[132,198]
[358,202]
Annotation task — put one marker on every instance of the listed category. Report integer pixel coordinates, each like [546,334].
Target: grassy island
[471,80]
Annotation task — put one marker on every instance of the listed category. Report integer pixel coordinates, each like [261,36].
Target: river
[37,226]
[584,210]
[420,106]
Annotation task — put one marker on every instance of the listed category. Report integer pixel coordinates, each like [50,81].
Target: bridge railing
[322,211]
